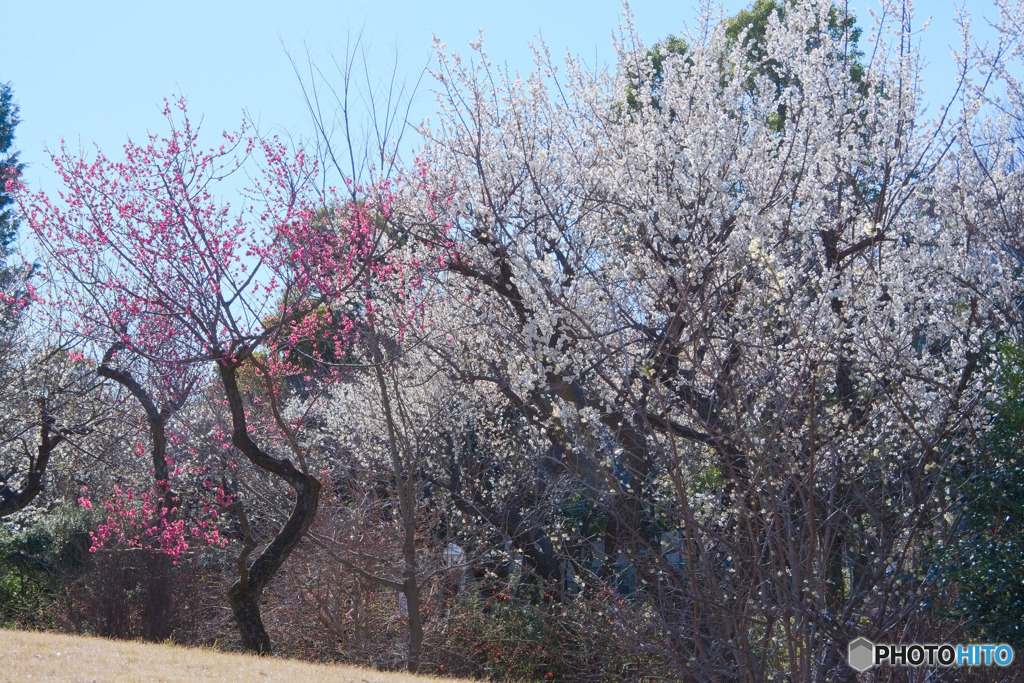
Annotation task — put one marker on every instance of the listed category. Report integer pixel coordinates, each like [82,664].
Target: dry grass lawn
[31,656]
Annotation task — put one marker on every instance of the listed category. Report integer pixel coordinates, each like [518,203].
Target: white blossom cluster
[756,288]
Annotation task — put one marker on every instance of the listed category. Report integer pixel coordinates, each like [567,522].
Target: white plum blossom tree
[749,305]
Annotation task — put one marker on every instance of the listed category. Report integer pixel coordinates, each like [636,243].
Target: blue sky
[98,72]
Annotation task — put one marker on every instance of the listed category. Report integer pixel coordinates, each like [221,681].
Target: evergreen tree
[986,555]
[13,294]
[10,168]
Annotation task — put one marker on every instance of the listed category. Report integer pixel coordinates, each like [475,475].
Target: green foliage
[755,22]
[986,558]
[12,282]
[656,57]
[325,345]
[10,167]
[752,26]
[35,562]
[747,30]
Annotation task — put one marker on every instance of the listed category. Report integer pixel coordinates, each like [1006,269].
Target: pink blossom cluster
[152,260]
[146,522]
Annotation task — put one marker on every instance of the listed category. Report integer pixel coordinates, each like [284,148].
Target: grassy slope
[54,657]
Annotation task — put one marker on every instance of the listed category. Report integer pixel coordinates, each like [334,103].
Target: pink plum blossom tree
[148,262]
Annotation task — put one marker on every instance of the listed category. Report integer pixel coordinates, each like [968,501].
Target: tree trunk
[13,501]
[411,589]
[245,594]
[245,604]
[157,598]
[156,626]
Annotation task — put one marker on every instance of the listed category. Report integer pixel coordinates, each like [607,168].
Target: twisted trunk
[35,481]
[244,595]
